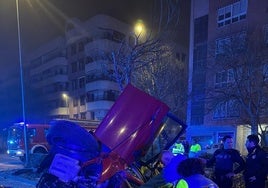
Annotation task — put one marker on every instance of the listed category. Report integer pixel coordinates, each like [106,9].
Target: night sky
[41,20]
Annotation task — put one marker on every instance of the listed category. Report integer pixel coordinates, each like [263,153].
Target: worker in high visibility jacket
[178,148]
[195,149]
[192,172]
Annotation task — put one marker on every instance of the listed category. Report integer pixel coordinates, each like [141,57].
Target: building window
[92,115]
[81,65]
[74,67]
[81,82]
[74,84]
[220,111]
[227,109]
[222,134]
[82,100]
[81,46]
[73,49]
[75,102]
[83,115]
[100,114]
[223,78]
[97,95]
[235,43]
[222,45]
[232,13]
[89,60]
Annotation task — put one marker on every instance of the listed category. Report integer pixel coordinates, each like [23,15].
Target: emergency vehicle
[36,134]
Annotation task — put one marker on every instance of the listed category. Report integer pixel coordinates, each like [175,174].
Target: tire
[40,150]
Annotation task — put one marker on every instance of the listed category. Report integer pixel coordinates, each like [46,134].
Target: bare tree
[150,62]
[240,66]
[131,57]
[165,79]
[166,13]
[151,65]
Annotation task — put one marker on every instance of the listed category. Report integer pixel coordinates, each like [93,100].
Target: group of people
[183,147]
[181,171]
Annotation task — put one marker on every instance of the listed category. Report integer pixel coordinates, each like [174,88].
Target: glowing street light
[139,29]
[66,97]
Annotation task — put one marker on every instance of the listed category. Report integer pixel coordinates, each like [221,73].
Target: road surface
[9,176]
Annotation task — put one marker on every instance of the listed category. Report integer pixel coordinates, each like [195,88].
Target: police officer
[224,160]
[256,163]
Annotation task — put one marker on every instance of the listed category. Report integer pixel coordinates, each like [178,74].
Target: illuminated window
[236,12]
[232,13]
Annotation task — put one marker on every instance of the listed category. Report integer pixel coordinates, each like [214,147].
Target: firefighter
[256,169]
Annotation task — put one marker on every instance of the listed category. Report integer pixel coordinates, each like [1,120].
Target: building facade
[48,74]
[221,30]
[71,73]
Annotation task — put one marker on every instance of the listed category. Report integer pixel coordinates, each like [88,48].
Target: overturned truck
[132,134]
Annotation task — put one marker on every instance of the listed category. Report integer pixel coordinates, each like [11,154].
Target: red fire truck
[36,134]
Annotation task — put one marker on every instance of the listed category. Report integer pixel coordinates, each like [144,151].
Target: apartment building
[214,25]
[71,74]
[47,72]
[89,46]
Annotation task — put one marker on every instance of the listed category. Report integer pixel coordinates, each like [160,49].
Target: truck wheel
[40,150]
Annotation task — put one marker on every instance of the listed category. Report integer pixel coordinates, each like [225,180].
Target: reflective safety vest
[183,184]
[178,148]
[195,148]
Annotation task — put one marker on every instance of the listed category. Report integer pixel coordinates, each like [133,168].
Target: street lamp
[139,29]
[22,87]
[66,97]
